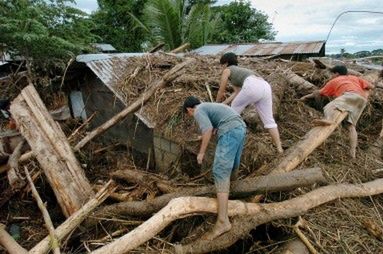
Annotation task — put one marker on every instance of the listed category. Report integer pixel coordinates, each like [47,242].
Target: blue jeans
[227,157]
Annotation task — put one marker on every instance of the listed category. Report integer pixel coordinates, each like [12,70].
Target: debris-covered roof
[103,64]
[264,49]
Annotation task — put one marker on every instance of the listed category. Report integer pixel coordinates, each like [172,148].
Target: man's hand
[200,157]
[303,98]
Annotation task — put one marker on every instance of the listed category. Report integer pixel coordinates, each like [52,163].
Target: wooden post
[52,150]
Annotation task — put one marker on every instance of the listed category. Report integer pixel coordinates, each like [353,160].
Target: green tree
[169,21]
[240,23]
[116,24]
[45,33]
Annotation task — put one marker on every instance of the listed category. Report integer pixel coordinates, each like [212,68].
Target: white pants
[256,91]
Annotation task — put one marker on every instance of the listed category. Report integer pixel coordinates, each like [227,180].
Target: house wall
[162,153]
[131,131]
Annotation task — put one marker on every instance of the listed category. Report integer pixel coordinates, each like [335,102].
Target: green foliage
[164,18]
[116,23]
[240,23]
[45,33]
[199,25]
[175,22]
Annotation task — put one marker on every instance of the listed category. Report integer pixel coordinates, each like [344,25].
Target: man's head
[229,58]
[339,70]
[189,104]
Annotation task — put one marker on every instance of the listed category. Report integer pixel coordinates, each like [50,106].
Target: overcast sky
[309,20]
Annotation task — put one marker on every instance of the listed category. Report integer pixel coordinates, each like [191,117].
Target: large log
[261,213]
[144,178]
[300,84]
[52,150]
[262,184]
[314,138]
[168,77]
[75,219]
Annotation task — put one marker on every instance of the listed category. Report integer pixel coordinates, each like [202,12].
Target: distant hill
[359,54]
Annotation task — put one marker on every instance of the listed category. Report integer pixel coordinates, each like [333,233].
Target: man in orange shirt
[350,93]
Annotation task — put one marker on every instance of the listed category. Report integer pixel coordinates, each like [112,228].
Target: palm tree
[168,22]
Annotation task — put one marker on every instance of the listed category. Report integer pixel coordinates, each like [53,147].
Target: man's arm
[222,85]
[204,143]
[314,94]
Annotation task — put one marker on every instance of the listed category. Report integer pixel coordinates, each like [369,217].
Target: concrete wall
[132,131]
[167,154]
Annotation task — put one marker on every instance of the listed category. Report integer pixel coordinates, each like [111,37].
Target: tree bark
[262,184]
[314,138]
[15,181]
[75,219]
[168,77]
[262,213]
[144,178]
[52,150]
[293,247]
[301,85]
[9,243]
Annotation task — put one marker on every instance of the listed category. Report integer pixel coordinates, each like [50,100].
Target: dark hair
[229,58]
[340,69]
[190,102]
[4,104]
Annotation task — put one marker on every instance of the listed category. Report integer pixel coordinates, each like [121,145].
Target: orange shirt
[345,83]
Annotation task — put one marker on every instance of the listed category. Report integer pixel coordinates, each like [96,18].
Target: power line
[342,13]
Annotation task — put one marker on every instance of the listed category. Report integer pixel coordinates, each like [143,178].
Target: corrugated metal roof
[263,49]
[107,67]
[94,57]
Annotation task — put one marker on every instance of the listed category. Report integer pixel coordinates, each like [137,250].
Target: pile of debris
[302,197]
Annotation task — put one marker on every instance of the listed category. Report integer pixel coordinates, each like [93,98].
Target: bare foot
[219,229]
[280,149]
[353,153]
[322,122]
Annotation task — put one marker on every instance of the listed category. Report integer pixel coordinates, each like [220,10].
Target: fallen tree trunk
[314,138]
[262,213]
[168,77]
[144,178]
[9,243]
[301,85]
[74,220]
[52,150]
[262,184]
